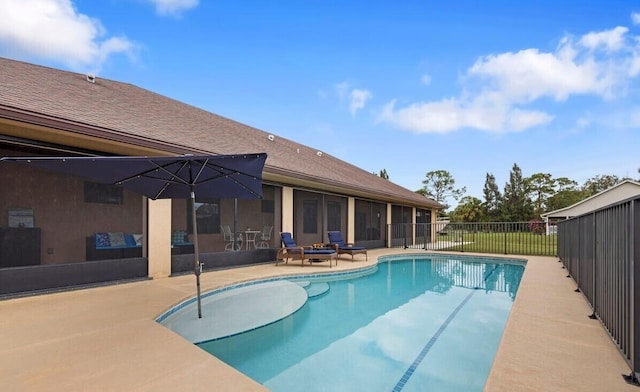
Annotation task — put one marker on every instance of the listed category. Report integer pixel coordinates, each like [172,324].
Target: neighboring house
[616,193]
[62,222]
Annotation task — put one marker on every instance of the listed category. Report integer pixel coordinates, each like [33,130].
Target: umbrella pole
[198,266]
[235,223]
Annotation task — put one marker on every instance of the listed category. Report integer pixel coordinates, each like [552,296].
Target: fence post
[505,239]
[404,235]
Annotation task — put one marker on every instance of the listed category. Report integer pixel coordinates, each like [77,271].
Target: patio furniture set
[317,252]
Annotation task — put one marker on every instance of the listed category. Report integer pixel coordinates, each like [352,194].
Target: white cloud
[528,75]
[635,18]
[451,114]
[355,98]
[498,89]
[173,7]
[358,99]
[519,120]
[611,40]
[54,29]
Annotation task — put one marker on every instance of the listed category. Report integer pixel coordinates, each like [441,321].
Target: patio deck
[105,338]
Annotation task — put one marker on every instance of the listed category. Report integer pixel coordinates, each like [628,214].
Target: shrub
[536,226]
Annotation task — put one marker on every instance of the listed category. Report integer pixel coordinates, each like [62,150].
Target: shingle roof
[124,111]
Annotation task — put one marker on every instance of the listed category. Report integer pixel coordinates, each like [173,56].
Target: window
[423,216]
[310,216]
[361,226]
[207,216]
[333,216]
[95,192]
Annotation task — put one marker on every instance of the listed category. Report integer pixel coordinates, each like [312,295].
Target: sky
[408,86]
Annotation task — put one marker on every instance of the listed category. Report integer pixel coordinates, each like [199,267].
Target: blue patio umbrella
[175,177]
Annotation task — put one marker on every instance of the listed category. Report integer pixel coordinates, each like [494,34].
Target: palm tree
[470,209]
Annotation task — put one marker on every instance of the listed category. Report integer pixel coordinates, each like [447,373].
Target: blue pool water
[423,323]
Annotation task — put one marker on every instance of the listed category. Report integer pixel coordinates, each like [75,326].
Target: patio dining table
[250,237]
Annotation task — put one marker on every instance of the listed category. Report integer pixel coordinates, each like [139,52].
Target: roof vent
[271,137]
[91,78]
[319,153]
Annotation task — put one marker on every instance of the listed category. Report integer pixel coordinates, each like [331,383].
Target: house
[616,193]
[59,230]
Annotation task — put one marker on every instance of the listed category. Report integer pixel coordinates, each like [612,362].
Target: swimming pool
[414,323]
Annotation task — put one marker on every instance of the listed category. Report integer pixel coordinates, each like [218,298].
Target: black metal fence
[601,251]
[522,238]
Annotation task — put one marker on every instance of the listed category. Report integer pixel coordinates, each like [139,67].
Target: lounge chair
[335,238]
[292,251]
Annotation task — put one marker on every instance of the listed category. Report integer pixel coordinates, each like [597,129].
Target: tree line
[522,198]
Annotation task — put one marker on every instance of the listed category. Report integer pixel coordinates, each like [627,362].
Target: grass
[521,243]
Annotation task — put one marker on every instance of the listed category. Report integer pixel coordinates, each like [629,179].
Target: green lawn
[512,243]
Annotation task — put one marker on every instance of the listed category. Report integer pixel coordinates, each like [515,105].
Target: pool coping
[107,337]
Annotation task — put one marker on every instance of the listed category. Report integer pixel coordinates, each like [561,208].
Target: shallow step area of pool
[236,310]
[316,289]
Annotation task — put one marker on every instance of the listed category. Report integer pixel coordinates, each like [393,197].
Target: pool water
[424,323]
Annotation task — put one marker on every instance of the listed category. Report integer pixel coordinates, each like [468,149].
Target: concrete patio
[105,338]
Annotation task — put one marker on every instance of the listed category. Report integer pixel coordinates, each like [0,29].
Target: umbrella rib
[204,164]
[173,176]
[229,176]
[175,179]
[221,170]
[194,179]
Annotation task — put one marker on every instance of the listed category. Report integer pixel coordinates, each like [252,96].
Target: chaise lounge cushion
[335,238]
[288,241]
[319,251]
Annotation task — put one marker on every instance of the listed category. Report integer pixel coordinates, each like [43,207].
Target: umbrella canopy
[220,176]
[179,177]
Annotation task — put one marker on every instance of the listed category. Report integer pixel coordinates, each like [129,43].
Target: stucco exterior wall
[287,210]
[159,238]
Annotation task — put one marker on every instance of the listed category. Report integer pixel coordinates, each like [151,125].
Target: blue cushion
[287,240]
[335,237]
[129,240]
[102,240]
[319,251]
[116,239]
